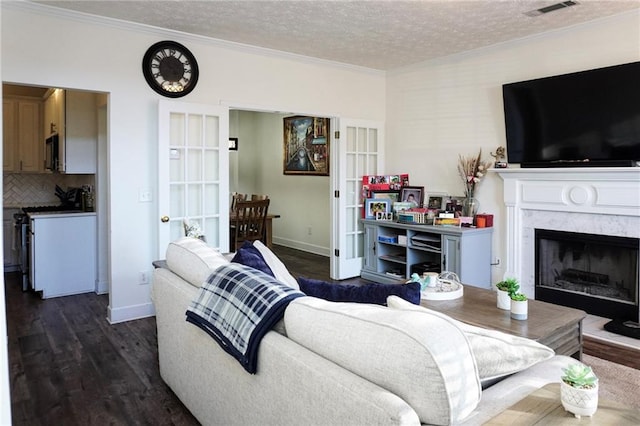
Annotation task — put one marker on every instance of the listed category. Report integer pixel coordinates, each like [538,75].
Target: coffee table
[543,407]
[555,326]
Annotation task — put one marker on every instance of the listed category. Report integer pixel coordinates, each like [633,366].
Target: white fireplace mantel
[598,200]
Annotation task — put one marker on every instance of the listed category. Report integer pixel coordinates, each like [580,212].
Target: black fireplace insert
[595,273]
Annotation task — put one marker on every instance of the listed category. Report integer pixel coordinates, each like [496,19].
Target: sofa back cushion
[369,293]
[422,358]
[193,260]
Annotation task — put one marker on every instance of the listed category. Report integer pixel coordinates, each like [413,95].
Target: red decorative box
[488,219]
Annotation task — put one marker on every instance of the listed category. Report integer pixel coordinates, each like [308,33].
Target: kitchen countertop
[74,213]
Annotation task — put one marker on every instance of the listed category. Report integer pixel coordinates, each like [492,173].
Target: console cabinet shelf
[394,251]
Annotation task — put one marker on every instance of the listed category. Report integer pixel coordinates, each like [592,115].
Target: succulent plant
[579,376]
[510,285]
[520,297]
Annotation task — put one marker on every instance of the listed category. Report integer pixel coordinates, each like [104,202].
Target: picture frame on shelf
[454,204]
[394,196]
[436,201]
[376,205]
[413,195]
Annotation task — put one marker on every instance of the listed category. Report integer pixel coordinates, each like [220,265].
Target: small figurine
[415,278]
[499,155]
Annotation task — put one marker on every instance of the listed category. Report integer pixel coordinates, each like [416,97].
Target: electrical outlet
[143,277]
[309,230]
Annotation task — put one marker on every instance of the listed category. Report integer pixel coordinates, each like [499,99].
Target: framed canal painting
[306,146]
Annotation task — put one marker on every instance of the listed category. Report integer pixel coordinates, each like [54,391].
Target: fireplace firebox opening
[595,273]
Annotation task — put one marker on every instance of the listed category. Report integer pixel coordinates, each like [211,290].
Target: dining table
[268,234]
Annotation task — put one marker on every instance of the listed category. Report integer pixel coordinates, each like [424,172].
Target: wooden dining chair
[258,197]
[235,197]
[250,221]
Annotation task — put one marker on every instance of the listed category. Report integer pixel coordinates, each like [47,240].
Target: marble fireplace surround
[598,200]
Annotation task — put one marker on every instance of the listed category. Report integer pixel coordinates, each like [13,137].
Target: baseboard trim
[300,245]
[102,287]
[129,313]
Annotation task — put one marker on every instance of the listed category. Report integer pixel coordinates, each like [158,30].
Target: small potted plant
[519,306]
[505,289]
[579,390]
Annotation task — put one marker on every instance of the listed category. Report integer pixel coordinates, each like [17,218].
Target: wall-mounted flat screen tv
[588,118]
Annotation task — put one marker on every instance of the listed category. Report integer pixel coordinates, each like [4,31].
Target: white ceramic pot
[519,309]
[580,402]
[504,301]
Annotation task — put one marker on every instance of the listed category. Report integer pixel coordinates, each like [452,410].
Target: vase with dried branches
[471,170]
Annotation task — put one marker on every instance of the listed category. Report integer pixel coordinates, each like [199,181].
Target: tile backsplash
[22,189]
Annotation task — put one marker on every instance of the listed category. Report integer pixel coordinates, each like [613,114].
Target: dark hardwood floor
[69,366]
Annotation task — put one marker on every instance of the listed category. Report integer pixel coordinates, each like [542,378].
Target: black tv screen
[587,118]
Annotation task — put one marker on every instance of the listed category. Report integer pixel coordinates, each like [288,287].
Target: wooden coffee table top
[543,407]
[478,307]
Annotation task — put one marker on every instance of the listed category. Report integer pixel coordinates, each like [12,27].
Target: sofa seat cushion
[497,354]
[193,260]
[369,293]
[422,358]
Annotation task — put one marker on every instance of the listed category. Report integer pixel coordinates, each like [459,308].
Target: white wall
[302,202]
[453,106]
[87,54]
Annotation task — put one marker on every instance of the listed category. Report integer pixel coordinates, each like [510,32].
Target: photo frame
[437,201]
[233,144]
[306,146]
[413,195]
[394,196]
[454,204]
[376,205]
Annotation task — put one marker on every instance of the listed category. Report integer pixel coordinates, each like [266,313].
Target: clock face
[170,69]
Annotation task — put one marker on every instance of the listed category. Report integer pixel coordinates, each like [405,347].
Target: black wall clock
[170,69]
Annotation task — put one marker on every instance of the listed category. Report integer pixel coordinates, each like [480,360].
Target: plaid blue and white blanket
[237,306]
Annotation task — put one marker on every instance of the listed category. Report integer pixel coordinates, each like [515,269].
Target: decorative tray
[447,288]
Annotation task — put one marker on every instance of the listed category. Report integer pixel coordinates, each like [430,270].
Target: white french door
[193,172]
[359,152]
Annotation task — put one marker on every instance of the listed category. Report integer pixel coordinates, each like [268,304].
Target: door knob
[164,219]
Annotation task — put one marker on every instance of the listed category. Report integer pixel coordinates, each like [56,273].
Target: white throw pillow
[422,358]
[280,272]
[497,354]
[193,260]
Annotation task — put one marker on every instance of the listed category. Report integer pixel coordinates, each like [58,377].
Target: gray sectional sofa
[328,363]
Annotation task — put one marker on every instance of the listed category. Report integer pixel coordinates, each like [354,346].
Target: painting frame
[376,205]
[306,145]
[417,192]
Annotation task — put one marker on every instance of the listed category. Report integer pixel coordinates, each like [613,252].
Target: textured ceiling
[376,34]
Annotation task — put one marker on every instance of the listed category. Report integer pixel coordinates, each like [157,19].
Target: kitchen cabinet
[74,116]
[393,251]
[23,144]
[63,253]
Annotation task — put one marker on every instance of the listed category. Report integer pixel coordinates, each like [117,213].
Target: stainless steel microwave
[52,153]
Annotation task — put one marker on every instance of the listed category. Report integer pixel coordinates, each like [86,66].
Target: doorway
[38,187]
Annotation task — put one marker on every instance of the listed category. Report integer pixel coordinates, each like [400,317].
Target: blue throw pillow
[368,293]
[248,255]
